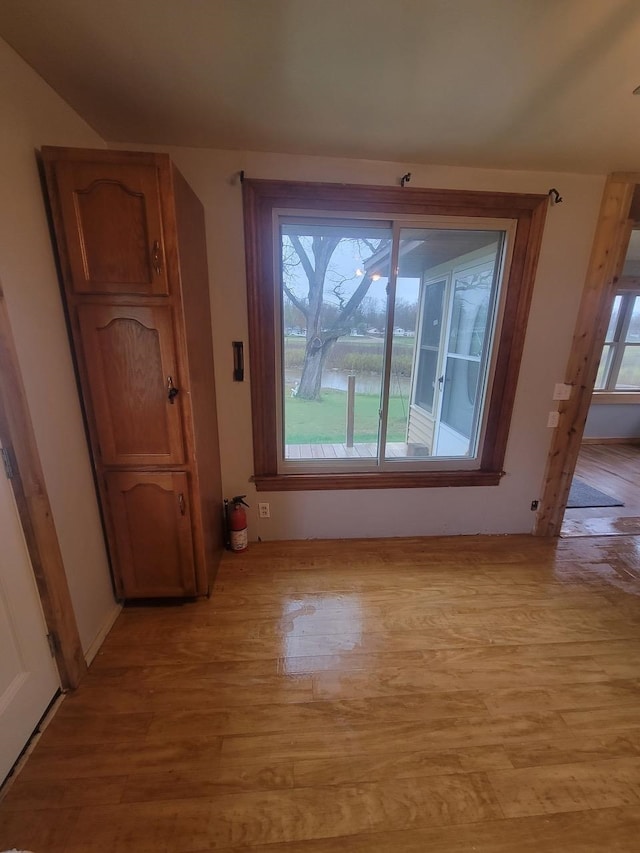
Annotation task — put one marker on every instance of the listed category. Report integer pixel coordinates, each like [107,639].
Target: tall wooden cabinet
[131,243]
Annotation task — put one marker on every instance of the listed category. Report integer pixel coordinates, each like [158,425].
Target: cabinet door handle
[181,504]
[172,391]
[157,262]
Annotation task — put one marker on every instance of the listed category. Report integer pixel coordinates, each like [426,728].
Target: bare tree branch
[370,245]
[306,263]
[358,295]
[301,306]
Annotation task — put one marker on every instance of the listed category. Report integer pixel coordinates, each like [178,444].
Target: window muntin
[427,349]
[619,369]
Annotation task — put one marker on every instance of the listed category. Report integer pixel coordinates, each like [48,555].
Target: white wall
[32,116]
[613,420]
[563,261]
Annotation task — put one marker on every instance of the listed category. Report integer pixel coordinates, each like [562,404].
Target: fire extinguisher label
[239,539]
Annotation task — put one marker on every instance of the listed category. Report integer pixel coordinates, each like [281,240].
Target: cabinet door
[151,524]
[113,227]
[131,370]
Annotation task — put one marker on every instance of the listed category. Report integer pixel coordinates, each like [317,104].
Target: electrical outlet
[553,420]
[264,510]
[534,505]
[561,391]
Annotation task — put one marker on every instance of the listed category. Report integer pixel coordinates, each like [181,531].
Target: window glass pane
[629,373]
[458,404]
[446,294]
[429,347]
[471,296]
[633,330]
[613,320]
[432,320]
[603,369]
[472,292]
[333,291]
[426,379]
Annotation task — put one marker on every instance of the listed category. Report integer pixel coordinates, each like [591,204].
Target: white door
[465,350]
[28,675]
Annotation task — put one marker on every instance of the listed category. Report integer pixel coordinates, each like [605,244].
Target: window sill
[601,397]
[384,480]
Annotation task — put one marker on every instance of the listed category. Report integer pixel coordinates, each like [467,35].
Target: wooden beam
[17,437]
[629,282]
[605,267]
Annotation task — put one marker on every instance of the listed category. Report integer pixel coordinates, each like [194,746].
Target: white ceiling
[534,84]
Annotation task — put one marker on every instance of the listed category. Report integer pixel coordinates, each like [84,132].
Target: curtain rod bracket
[555,196]
[405,179]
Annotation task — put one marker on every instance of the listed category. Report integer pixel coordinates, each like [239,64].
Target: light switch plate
[561,391]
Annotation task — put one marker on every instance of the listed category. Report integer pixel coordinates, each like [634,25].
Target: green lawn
[324,420]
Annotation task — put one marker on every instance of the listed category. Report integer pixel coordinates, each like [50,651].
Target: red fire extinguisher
[238,533]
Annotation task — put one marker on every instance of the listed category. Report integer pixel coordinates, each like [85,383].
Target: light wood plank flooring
[445,695]
[362,450]
[615,470]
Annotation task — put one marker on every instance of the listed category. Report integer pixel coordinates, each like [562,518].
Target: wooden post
[618,211]
[351,399]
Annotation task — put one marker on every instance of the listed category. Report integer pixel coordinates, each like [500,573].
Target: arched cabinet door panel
[151,517]
[113,224]
[131,239]
[133,384]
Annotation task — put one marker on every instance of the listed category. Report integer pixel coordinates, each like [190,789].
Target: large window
[618,378]
[386,332]
[620,363]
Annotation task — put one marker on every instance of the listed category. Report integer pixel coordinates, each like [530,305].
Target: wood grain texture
[197,345]
[262,198]
[137,297]
[615,470]
[151,515]
[115,236]
[605,267]
[129,354]
[411,695]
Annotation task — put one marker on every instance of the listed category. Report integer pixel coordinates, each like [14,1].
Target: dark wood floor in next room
[615,470]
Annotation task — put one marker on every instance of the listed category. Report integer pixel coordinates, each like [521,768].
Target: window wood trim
[262,197]
[34,510]
[615,397]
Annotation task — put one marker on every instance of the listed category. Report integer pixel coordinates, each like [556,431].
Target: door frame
[619,210]
[29,488]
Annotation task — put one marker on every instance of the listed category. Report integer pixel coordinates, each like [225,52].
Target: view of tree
[329,300]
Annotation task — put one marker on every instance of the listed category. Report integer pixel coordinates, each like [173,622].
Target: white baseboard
[93,649]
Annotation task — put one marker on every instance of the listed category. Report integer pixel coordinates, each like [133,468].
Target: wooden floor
[444,695]
[361,450]
[615,470]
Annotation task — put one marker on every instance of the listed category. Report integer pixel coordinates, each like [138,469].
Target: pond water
[366,383]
